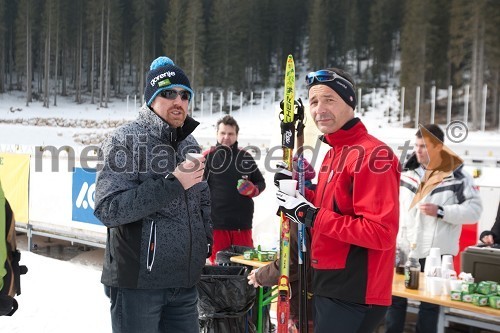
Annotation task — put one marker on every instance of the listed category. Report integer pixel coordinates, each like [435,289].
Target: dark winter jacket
[224,166]
[354,232]
[157,231]
[495,230]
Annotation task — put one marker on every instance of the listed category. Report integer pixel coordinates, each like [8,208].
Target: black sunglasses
[172,94]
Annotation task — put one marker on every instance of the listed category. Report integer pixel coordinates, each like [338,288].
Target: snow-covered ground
[62,296]
[59,296]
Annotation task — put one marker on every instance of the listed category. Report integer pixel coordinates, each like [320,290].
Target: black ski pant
[339,316]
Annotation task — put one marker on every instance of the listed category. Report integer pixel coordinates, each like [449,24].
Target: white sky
[60,296]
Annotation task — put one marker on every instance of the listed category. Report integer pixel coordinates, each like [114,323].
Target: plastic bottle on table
[412,269]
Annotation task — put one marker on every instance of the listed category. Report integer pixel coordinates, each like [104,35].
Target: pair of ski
[292,111]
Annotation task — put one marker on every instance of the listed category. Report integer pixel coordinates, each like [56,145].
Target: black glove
[282,173]
[297,209]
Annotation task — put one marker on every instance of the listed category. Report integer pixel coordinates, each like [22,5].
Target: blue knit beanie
[164,74]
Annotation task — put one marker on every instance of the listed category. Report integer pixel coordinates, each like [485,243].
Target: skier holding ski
[353,213]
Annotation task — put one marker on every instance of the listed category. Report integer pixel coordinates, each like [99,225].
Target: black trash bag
[225,300]
[223,257]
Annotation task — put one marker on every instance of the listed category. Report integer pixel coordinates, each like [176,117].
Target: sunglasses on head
[172,94]
[324,75]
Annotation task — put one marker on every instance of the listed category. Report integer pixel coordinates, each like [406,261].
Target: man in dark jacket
[234,179]
[492,237]
[353,213]
[157,210]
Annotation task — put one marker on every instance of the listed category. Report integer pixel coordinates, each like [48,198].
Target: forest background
[97,50]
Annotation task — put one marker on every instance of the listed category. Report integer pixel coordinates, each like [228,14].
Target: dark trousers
[428,315]
[338,316]
[154,310]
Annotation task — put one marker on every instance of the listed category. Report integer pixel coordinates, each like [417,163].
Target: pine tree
[413,51]
[358,30]
[384,26]
[141,55]
[194,43]
[318,38]
[225,54]
[173,31]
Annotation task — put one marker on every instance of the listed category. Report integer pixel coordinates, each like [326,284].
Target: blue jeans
[428,315]
[154,310]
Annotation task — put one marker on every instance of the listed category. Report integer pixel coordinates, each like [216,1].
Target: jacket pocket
[328,253]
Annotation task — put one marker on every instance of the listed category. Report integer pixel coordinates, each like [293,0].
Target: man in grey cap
[156,209]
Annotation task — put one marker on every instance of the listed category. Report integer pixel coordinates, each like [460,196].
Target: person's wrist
[310,216]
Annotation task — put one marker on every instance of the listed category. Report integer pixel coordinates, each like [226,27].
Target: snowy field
[61,296]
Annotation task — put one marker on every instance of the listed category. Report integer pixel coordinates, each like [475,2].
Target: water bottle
[402,251]
[412,269]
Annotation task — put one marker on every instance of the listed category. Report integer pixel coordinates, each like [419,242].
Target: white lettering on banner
[161,76]
[86,191]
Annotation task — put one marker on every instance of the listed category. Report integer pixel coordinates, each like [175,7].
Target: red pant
[225,238]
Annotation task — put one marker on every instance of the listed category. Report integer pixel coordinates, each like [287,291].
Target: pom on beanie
[164,74]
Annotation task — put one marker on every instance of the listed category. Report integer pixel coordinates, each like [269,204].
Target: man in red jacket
[353,213]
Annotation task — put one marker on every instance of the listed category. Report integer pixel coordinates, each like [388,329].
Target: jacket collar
[161,129]
[451,163]
[346,135]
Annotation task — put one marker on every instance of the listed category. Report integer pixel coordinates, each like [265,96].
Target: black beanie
[164,74]
[345,91]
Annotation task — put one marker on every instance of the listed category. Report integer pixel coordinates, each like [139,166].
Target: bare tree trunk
[92,70]
[494,102]
[106,98]
[480,73]
[10,62]
[477,67]
[473,80]
[64,87]
[46,101]
[141,67]
[101,69]
[3,61]
[56,85]
[28,54]
[78,79]
[193,58]
[45,74]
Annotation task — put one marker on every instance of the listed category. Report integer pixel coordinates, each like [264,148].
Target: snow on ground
[59,296]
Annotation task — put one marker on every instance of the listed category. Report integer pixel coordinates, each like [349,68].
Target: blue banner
[83,196]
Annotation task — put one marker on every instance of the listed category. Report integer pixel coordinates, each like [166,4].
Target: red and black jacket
[354,233]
